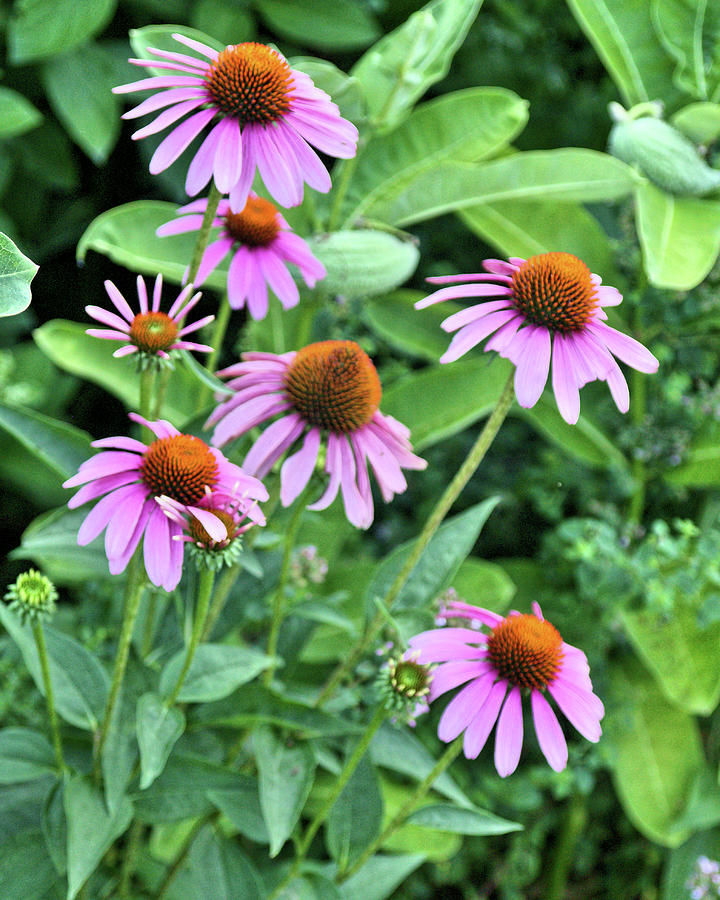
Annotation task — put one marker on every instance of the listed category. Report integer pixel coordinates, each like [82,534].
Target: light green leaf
[158,729]
[59,445]
[443,817]
[699,121]
[27,871]
[680,237]
[215,672]
[24,756]
[380,875]
[79,88]
[477,578]
[690,32]
[332,25]
[224,21]
[623,35]
[435,132]
[16,273]
[414,333]
[356,816]
[91,830]
[567,175]
[286,774]
[17,115]
[398,70]
[202,374]
[701,468]
[39,29]
[221,871]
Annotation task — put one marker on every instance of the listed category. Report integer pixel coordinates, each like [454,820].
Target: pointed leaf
[690,32]
[323,24]
[58,444]
[443,817]
[27,871]
[16,273]
[356,816]
[17,115]
[220,871]
[216,671]
[42,28]
[158,729]
[380,875]
[24,755]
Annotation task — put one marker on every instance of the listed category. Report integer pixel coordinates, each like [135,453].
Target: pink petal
[279,279]
[452,674]
[164,98]
[297,469]
[466,316]
[210,522]
[196,45]
[463,290]
[463,707]
[228,156]
[156,546]
[625,348]
[167,118]
[108,318]
[478,731]
[213,256]
[471,335]
[272,443]
[563,381]
[509,734]
[333,467]
[532,366]
[274,171]
[240,274]
[200,169]
[99,516]
[549,733]
[578,709]
[120,303]
[178,140]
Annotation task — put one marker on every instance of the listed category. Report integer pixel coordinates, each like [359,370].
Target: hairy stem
[203,238]
[205,586]
[39,635]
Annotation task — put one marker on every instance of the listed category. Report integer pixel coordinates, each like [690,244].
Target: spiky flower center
[256,225]
[251,82]
[334,385]
[200,536]
[153,331]
[555,290]
[181,467]
[526,651]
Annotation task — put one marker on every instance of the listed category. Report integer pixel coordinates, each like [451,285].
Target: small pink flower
[258,112]
[549,302]
[133,476]
[261,244]
[149,331]
[522,654]
[326,392]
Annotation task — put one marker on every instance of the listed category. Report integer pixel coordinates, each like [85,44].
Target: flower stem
[337,788]
[39,635]
[161,384]
[278,329]
[133,592]
[347,170]
[435,519]
[222,590]
[203,238]
[279,596]
[147,390]
[571,831]
[218,334]
[410,805]
[205,586]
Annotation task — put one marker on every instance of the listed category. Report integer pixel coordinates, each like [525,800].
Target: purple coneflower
[261,244]
[134,476]
[549,302]
[522,654]
[329,392]
[259,112]
[149,332]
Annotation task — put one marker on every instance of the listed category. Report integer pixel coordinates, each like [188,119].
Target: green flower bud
[32,596]
[402,685]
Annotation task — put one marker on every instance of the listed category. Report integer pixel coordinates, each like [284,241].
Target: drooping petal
[298,468]
[532,365]
[509,734]
[478,731]
[461,710]
[549,733]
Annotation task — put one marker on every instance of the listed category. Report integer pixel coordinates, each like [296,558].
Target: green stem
[337,788]
[452,492]
[279,596]
[222,591]
[347,170]
[39,635]
[205,586]
[276,323]
[147,389]
[203,238]
[218,334]
[133,592]
[572,829]
[639,469]
[130,858]
[410,805]
[161,385]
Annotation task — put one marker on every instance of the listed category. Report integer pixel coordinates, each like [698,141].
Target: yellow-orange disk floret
[251,82]
[256,225]
[179,467]
[200,536]
[153,331]
[526,651]
[555,290]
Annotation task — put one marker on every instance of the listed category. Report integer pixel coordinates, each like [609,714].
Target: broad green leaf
[158,729]
[683,658]
[161,38]
[331,25]
[120,753]
[54,827]
[17,115]
[569,175]
[680,237]
[24,755]
[656,754]
[223,21]
[79,88]
[241,806]
[356,816]
[16,273]
[221,871]
[477,579]
[285,778]
[80,684]
[27,871]
[443,817]
[699,121]
[39,29]
[435,132]
[47,156]
[703,806]
[690,32]
[215,672]
[91,829]
[202,374]
[439,562]
[380,875]
[22,806]
[528,227]
[623,35]
[59,445]
[414,333]
[398,70]
[701,468]
[67,345]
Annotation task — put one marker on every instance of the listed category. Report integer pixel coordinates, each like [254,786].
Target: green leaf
[701,468]
[703,806]
[27,871]
[222,20]
[380,875]
[398,70]
[681,862]
[568,175]
[41,28]
[54,827]
[690,32]
[91,830]
[394,319]
[17,115]
[158,729]
[439,562]
[80,684]
[161,38]
[241,806]
[59,445]
[435,132]
[203,375]
[699,121]
[443,817]
[79,88]
[286,774]
[215,672]
[47,157]
[332,25]
[680,237]
[623,35]
[16,273]
[479,578]
[24,756]
[356,816]
[656,754]
[220,871]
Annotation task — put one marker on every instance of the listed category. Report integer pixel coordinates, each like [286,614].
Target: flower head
[522,654]
[261,244]
[550,303]
[32,596]
[134,476]
[329,392]
[403,686]
[258,112]
[150,333]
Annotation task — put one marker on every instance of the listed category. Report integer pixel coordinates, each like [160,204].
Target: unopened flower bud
[32,596]
[402,685]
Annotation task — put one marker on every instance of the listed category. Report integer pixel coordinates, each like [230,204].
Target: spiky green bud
[32,596]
